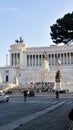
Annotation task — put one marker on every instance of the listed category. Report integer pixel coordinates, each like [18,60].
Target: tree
[62,30]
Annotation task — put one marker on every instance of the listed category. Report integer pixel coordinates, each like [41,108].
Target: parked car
[63,91]
[30,93]
[4,97]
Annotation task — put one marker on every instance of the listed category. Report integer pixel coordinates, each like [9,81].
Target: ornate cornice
[18,46]
[51,49]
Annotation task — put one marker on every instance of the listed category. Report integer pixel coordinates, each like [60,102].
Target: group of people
[26,91]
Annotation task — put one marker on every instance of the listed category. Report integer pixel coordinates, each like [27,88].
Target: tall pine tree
[62,30]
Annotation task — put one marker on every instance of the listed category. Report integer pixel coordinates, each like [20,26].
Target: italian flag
[58,62]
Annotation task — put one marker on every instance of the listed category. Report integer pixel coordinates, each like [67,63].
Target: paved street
[42,112]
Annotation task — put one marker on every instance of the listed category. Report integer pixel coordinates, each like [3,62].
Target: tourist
[25,95]
[57,94]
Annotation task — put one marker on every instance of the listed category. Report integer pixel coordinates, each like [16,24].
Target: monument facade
[27,64]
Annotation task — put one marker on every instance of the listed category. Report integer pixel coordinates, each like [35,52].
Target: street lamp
[42,78]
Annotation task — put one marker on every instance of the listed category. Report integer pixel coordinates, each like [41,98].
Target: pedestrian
[70,115]
[25,95]
[57,94]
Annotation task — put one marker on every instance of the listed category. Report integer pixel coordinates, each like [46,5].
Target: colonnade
[15,59]
[36,59]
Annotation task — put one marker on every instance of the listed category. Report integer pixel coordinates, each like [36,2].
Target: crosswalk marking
[69,102]
[23,120]
[51,102]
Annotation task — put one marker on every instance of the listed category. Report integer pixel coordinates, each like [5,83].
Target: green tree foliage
[62,31]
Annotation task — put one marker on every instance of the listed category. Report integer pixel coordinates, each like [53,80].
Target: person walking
[25,95]
[57,94]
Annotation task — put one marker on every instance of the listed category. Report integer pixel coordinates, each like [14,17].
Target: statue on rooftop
[19,41]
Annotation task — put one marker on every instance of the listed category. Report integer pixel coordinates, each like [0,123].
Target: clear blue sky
[30,19]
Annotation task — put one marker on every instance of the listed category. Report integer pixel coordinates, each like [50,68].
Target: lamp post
[42,78]
[0,82]
[6,59]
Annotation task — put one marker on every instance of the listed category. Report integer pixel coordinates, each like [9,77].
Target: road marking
[35,101]
[17,123]
[69,102]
